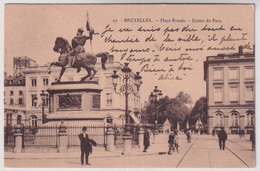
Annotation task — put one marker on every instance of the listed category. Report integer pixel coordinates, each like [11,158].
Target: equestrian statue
[75,56]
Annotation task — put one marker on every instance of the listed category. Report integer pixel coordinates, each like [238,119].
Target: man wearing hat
[85,145]
[78,43]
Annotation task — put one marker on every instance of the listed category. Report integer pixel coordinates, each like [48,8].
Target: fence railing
[48,136]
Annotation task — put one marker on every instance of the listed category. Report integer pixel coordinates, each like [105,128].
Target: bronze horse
[84,60]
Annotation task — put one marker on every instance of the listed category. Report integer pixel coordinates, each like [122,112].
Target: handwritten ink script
[170,48]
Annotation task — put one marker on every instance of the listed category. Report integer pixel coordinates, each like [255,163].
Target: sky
[30,30]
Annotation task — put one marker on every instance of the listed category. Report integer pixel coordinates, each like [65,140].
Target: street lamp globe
[126,70]
[114,79]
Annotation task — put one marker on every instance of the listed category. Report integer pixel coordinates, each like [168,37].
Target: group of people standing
[173,141]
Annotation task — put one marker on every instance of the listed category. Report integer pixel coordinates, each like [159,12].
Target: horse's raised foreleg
[53,63]
[89,74]
[61,73]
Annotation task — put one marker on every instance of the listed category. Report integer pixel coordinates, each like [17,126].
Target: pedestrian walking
[222,137]
[252,139]
[146,140]
[171,143]
[188,133]
[85,145]
[176,140]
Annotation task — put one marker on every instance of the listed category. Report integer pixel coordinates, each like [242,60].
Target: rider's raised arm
[88,37]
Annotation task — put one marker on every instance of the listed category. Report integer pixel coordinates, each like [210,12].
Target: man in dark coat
[146,140]
[85,145]
[222,137]
[252,139]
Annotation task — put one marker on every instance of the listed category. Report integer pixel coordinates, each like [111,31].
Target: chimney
[240,50]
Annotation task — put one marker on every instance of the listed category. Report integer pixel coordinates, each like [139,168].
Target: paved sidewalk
[202,152]
[161,146]
[104,159]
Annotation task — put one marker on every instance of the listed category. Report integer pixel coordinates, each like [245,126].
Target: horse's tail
[104,57]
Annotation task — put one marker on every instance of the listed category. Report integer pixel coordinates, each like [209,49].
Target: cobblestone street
[202,152]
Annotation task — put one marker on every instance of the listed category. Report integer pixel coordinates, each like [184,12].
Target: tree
[199,111]
[176,109]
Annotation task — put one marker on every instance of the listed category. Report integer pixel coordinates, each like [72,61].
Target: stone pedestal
[110,133]
[141,138]
[18,142]
[63,143]
[63,137]
[127,144]
[127,137]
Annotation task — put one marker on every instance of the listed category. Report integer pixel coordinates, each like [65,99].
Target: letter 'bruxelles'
[137,20]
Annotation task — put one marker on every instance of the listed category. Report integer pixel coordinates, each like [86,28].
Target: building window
[11,93]
[33,121]
[249,73]
[20,93]
[11,101]
[45,81]
[218,95]
[109,81]
[34,82]
[233,74]
[34,100]
[96,101]
[233,95]
[234,119]
[9,119]
[109,98]
[219,119]
[250,119]
[218,74]
[20,101]
[249,94]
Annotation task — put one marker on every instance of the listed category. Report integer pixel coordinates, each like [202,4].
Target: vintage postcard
[129,86]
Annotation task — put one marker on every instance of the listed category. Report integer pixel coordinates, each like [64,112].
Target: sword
[90,29]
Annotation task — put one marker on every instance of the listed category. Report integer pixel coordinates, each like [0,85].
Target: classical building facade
[14,99]
[230,91]
[111,104]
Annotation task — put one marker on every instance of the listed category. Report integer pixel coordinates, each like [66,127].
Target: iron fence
[48,136]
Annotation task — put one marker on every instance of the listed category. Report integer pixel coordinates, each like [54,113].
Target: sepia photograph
[129,85]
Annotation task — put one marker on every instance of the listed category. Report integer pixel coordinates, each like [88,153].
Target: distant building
[111,104]
[230,91]
[22,62]
[14,99]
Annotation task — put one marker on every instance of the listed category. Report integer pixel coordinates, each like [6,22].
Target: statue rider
[78,43]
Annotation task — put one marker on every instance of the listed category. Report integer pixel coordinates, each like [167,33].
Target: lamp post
[155,98]
[43,105]
[127,89]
